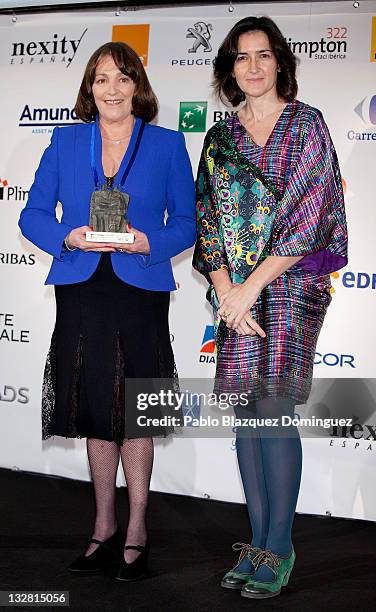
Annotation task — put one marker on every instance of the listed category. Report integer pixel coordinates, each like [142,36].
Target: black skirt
[111,342]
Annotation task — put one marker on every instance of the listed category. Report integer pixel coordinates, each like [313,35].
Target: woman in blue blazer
[111,302]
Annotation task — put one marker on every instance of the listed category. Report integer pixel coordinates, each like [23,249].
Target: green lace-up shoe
[280,566]
[235,579]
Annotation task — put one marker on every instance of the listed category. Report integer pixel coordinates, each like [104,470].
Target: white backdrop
[42,59]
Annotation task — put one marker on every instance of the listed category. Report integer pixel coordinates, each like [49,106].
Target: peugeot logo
[201,33]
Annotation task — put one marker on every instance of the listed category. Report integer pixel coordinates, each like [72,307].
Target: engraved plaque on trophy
[108,217]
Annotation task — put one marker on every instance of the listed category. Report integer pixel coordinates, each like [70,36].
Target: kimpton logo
[319,49]
[192,116]
[57,49]
[136,36]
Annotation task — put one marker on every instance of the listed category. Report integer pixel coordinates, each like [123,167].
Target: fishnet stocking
[137,456]
[103,460]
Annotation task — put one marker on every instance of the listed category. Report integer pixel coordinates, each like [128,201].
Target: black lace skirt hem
[111,342]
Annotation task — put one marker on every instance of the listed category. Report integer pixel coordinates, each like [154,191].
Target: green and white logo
[192,116]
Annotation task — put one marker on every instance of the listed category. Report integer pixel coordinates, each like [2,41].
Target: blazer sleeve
[179,233]
[38,222]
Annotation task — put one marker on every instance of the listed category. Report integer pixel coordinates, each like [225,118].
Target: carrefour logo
[366,110]
[207,350]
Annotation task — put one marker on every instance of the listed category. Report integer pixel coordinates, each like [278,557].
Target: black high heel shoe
[108,554]
[138,568]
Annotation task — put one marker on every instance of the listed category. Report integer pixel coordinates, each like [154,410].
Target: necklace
[117,141]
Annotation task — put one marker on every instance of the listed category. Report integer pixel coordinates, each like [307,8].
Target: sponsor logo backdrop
[42,58]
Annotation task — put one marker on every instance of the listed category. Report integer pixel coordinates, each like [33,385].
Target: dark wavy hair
[144,103]
[225,84]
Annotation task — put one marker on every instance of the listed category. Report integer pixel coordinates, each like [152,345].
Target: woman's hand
[236,304]
[140,244]
[249,327]
[76,239]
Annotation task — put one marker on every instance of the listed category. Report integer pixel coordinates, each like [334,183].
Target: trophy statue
[108,217]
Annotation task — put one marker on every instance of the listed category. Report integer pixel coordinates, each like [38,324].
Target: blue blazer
[160,178]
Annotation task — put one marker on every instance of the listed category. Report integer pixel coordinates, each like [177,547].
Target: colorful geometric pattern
[282,199]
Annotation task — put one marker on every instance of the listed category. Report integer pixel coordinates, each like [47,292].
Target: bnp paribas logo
[192,116]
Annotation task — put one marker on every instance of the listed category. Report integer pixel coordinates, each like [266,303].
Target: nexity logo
[58,47]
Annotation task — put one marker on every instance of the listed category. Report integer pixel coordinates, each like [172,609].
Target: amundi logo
[37,117]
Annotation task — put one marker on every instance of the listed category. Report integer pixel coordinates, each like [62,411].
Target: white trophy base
[118,237]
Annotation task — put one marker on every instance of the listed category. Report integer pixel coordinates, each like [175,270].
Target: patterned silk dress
[283,199]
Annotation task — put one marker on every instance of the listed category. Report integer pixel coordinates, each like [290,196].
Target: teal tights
[270,463]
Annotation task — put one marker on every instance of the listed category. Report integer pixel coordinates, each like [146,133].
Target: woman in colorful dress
[271,228]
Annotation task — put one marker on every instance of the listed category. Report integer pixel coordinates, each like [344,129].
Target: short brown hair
[144,103]
[225,84]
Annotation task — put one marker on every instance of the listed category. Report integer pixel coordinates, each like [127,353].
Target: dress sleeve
[209,254]
[311,220]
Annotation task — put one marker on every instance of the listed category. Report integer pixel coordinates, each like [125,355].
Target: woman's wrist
[222,289]
[67,245]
